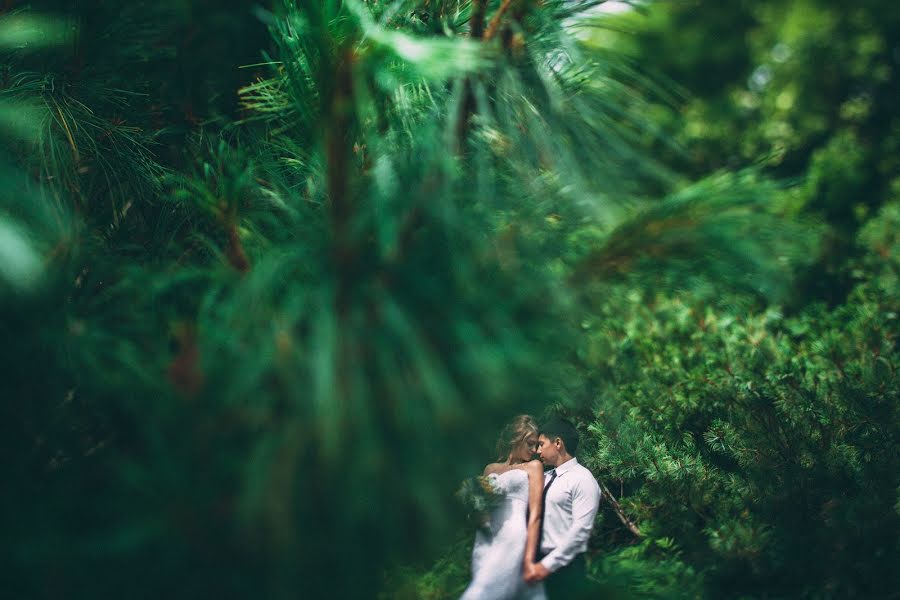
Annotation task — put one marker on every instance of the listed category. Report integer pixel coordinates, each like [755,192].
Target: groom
[571,500]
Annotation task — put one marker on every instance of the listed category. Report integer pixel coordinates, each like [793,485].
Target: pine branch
[476,22]
[467,106]
[338,160]
[617,508]
[494,25]
[237,258]
[719,229]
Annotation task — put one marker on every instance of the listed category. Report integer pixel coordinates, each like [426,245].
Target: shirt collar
[566,466]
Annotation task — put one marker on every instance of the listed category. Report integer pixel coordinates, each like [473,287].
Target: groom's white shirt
[569,510]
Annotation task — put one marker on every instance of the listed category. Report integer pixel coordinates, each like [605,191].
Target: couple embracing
[534,545]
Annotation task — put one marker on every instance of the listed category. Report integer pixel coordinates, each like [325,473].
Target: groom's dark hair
[557,427]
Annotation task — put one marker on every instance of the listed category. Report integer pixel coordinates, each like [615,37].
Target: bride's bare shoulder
[533,467]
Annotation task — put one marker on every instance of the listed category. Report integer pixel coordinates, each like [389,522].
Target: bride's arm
[535,472]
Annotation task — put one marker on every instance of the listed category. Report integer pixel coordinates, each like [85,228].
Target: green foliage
[446,578]
[652,568]
[730,215]
[804,89]
[763,444]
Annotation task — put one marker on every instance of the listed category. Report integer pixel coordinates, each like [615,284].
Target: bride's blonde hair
[514,433]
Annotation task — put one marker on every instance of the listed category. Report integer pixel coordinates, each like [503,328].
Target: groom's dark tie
[543,507]
[548,484]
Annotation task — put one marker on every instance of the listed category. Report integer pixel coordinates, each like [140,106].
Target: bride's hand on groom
[535,572]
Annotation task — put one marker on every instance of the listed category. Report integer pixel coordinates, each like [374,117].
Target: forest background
[274,274]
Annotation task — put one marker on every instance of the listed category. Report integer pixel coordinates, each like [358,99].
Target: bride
[511,538]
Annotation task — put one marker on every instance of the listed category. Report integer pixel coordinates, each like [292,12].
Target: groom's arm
[585,503]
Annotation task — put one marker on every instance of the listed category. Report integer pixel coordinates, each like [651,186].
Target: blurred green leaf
[26,31]
[434,59]
[20,262]
[20,120]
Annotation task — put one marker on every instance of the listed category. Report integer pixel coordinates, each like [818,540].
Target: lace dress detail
[500,550]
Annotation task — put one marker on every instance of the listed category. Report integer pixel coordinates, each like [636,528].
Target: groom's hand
[535,572]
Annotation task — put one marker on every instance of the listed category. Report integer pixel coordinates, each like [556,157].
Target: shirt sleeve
[585,503]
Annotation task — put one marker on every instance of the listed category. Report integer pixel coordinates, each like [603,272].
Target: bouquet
[479,497]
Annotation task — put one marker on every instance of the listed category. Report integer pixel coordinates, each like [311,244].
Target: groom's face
[547,450]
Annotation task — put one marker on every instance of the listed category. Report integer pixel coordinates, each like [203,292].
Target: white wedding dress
[500,551]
